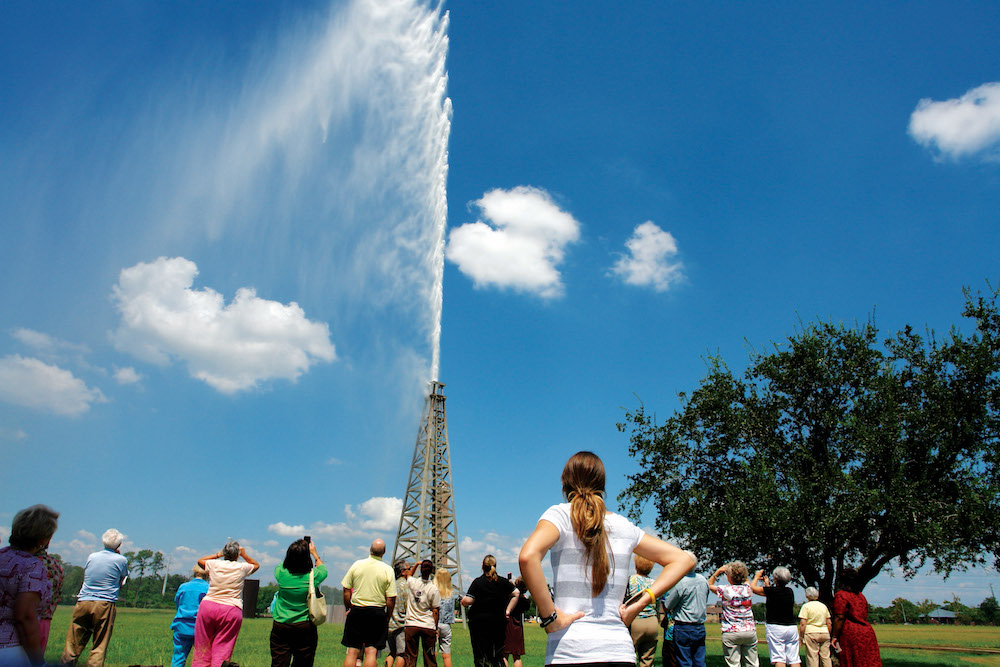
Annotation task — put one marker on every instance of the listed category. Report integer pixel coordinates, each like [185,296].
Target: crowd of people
[596,613]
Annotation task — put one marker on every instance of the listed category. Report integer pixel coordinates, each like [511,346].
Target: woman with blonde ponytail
[487,599]
[591,549]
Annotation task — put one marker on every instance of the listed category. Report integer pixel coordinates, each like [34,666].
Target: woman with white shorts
[781,624]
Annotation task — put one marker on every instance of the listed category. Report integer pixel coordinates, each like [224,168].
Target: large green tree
[835,448]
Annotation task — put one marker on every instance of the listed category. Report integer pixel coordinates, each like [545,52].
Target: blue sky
[223,229]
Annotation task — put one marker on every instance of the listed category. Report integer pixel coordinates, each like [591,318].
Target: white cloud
[185,551]
[77,549]
[35,384]
[504,548]
[47,344]
[335,530]
[383,514]
[650,261]
[231,347]
[4,534]
[264,558]
[334,461]
[375,515]
[960,127]
[13,434]
[270,543]
[282,528]
[523,247]
[127,375]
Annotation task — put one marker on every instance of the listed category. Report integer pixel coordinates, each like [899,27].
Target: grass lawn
[143,637]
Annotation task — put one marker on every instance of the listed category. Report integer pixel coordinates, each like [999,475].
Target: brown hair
[643,565]
[737,571]
[490,567]
[583,486]
[33,526]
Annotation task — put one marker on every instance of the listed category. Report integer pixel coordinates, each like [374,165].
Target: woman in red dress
[853,637]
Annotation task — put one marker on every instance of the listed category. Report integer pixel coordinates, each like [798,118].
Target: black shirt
[780,604]
[491,598]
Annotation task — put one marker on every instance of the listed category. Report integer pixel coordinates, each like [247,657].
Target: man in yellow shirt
[369,599]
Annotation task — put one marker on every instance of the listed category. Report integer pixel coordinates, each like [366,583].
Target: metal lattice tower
[427,527]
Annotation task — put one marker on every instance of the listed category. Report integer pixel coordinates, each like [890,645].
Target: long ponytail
[490,567]
[583,486]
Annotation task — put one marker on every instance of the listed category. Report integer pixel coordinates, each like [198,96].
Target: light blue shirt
[187,599]
[103,577]
[687,601]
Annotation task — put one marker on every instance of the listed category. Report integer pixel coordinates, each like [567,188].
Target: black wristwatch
[548,620]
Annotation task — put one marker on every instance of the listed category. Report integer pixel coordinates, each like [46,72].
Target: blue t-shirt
[187,599]
[104,575]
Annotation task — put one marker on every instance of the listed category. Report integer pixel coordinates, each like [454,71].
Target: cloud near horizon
[232,347]
[520,244]
[650,260]
[378,514]
[32,383]
[960,127]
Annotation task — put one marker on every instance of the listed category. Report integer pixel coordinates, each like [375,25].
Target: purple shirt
[20,572]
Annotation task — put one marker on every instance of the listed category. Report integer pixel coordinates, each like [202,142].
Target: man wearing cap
[94,612]
[369,598]
[422,611]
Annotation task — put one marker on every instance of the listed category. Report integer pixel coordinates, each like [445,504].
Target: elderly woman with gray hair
[780,624]
[220,613]
[24,586]
[815,626]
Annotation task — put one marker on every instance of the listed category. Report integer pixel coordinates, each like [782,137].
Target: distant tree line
[902,611]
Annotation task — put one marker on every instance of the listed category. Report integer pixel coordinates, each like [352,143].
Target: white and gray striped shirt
[600,636]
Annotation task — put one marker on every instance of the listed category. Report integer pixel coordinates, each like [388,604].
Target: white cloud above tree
[650,259]
[519,243]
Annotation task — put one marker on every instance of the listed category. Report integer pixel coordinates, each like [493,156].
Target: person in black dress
[487,600]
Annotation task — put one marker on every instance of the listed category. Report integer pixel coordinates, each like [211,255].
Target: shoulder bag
[316,603]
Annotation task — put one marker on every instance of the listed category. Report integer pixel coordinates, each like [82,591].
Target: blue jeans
[689,641]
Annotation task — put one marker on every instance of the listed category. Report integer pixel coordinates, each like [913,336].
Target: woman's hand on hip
[563,620]
[630,612]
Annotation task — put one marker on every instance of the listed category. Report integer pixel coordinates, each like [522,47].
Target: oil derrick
[427,527]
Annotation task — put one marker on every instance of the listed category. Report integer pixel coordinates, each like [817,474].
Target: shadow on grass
[719,661]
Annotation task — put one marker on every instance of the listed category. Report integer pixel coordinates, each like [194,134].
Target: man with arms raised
[369,598]
[94,613]
[686,602]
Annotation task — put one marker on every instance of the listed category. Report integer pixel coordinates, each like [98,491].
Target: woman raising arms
[591,550]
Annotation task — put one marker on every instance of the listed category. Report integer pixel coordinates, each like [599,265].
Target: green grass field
[143,637]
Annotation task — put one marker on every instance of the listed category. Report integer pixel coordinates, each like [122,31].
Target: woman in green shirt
[293,635]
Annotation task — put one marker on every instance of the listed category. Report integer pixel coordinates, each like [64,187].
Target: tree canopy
[834,449]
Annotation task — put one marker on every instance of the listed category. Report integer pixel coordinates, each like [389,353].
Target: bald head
[378,548]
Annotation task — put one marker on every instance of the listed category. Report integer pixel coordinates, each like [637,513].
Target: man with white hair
[94,613]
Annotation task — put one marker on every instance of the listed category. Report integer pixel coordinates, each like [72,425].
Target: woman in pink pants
[220,613]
